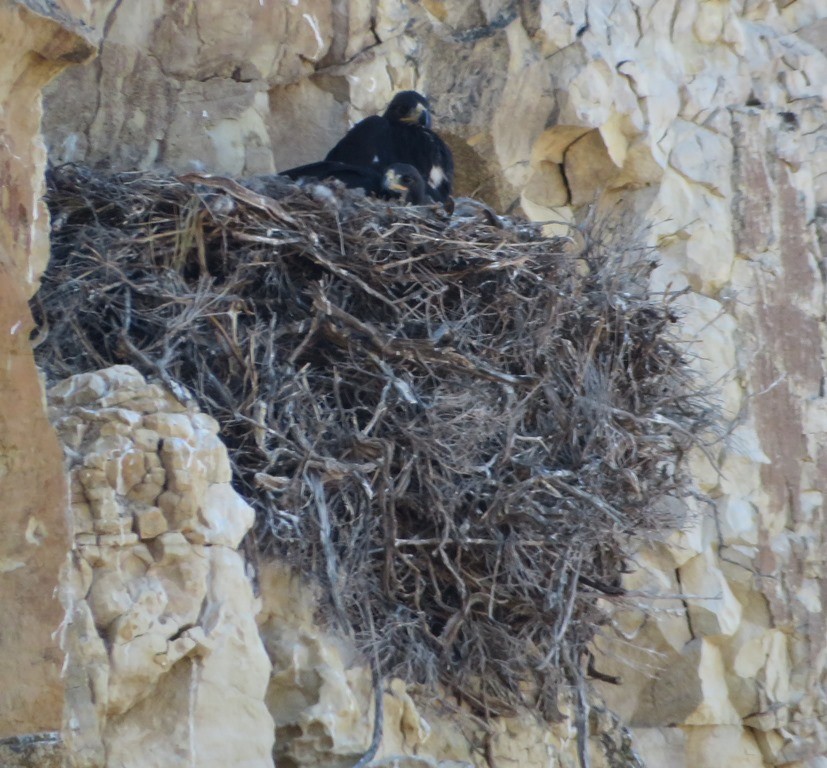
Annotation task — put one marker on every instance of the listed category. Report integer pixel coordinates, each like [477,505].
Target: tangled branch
[452,424]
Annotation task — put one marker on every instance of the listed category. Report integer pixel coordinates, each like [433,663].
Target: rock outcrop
[164,665]
[37,42]
[704,119]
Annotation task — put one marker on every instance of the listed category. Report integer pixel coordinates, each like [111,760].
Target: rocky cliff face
[37,42]
[704,119]
[164,661]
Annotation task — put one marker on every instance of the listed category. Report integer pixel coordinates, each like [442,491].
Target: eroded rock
[37,42]
[162,647]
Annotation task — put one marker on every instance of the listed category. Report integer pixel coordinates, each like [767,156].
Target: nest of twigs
[451,423]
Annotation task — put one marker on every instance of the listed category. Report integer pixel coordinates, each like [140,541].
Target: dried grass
[452,425]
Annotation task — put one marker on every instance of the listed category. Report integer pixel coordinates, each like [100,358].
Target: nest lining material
[450,423]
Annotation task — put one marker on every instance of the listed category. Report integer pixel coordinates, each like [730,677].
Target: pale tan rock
[589,169]
[81,518]
[87,684]
[169,503]
[200,99]
[149,492]
[739,524]
[320,114]
[713,608]
[545,187]
[226,517]
[109,598]
[147,612]
[715,707]
[150,522]
[412,726]
[179,454]
[235,652]
[135,671]
[78,390]
[126,469]
[188,677]
[662,746]
[702,156]
[146,439]
[41,41]
[672,692]
[167,425]
[170,547]
[140,613]
[116,530]
[317,693]
[191,481]
[37,41]
[772,746]
[650,639]
[213,456]
[722,745]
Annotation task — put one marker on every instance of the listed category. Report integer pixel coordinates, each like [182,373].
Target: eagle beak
[420,115]
[394,183]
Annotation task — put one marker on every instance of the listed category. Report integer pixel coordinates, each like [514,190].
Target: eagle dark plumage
[399,181]
[401,135]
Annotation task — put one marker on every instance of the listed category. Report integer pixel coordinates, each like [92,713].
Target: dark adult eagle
[399,181]
[401,135]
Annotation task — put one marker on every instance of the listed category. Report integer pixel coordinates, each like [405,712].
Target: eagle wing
[369,142]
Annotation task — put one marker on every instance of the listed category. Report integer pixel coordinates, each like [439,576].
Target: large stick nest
[451,424]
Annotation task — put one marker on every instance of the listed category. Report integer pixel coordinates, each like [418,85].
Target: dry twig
[451,425]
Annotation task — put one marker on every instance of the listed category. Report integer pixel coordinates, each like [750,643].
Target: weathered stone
[118,540]
[119,528]
[713,609]
[715,707]
[140,613]
[125,470]
[316,705]
[728,745]
[37,41]
[674,692]
[226,517]
[167,425]
[588,168]
[662,746]
[109,598]
[81,518]
[87,683]
[150,522]
[170,547]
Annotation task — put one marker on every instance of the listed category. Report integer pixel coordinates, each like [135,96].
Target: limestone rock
[37,41]
[724,745]
[150,521]
[161,641]
[713,609]
[320,697]
[318,694]
[40,40]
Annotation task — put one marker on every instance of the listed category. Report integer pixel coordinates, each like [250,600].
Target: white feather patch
[436,177]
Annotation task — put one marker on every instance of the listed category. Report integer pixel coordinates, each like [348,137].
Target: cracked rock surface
[165,665]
